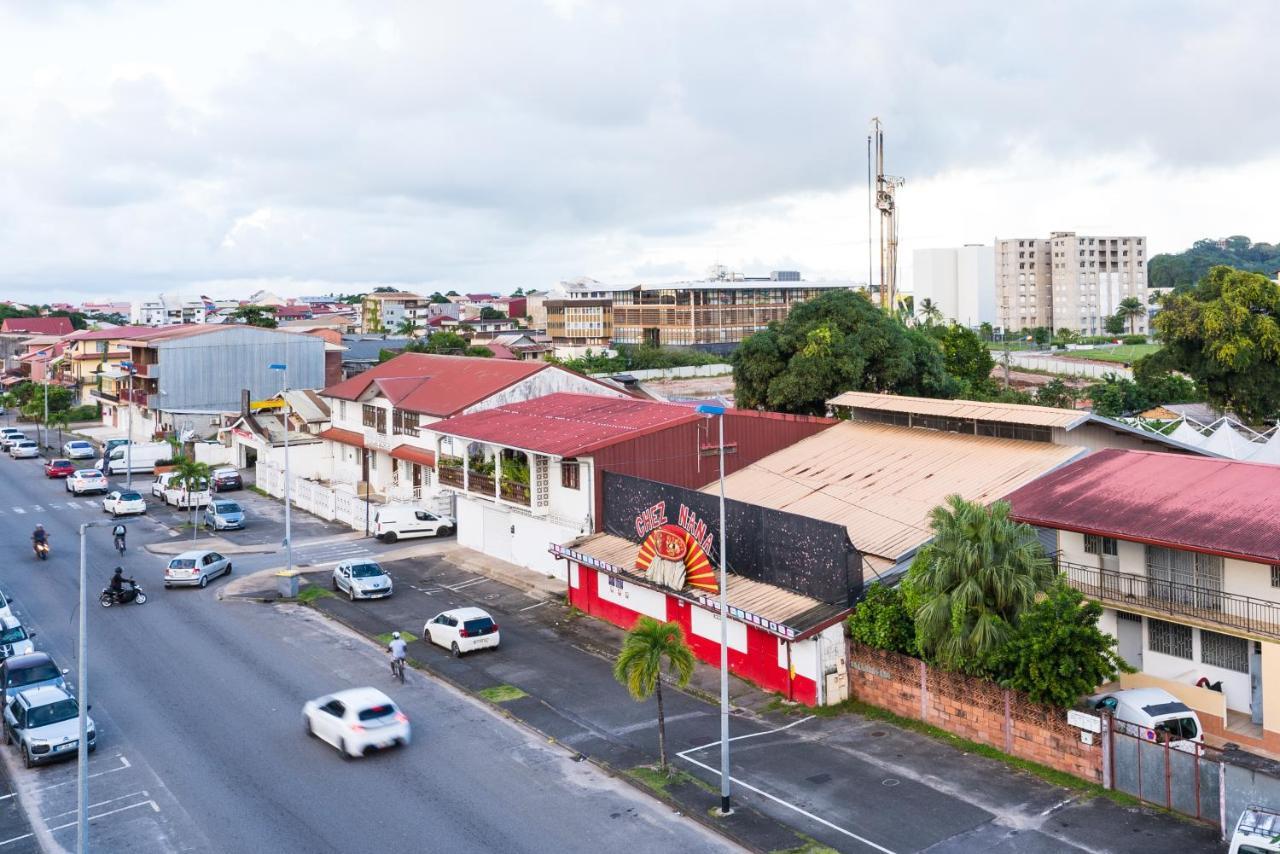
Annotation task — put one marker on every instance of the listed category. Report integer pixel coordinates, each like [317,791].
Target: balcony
[481,483]
[104,395]
[1202,604]
[151,371]
[137,396]
[450,476]
[515,492]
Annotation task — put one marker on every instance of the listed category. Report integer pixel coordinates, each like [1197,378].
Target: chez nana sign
[678,541]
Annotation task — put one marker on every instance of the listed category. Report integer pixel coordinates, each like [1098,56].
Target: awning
[346,437]
[414,455]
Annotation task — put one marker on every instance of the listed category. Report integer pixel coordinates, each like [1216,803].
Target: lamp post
[128,447]
[711,409]
[288,530]
[45,425]
[82,689]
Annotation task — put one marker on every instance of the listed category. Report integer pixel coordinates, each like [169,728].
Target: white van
[1155,715]
[1257,831]
[397,523]
[166,488]
[143,458]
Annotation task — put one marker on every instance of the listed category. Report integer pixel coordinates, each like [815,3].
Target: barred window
[1275,575]
[404,423]
[375,417]
[1225,651]
[569,474]
[1169,638]
[1095,545]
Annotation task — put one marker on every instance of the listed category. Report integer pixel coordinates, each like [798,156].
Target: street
[201,747]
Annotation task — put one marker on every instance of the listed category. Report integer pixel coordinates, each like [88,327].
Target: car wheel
[307,720]
[453,648]
[204,580]
[444,531]
[26,758]
[334,582]
[351,593]
[342,748]
[167,586]
[228,569]
[390,537]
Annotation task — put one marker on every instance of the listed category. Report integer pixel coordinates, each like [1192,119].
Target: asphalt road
[201,746]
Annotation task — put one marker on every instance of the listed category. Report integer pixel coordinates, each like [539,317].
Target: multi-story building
[92,358]
[1068,281]
[383,312]
[1182,553]
[585,323]
[169,310]
[536,308]
[959,282]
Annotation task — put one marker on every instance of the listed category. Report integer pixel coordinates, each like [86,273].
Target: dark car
[28,671]
[226,479]
[59,468]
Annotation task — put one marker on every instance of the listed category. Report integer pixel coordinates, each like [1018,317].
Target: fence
[1069,367]
[677,373]
[1188,781]
[333,503]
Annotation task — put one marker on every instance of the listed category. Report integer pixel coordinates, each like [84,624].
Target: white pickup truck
[1257,831]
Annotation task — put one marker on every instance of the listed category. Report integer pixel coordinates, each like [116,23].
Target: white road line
[534,605]
[19,510]
[749,735]
[144,794]
[36,508]
[124,766]
[457,587]
[154,806]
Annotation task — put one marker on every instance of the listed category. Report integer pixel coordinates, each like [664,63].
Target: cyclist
[398,649]
[118,533]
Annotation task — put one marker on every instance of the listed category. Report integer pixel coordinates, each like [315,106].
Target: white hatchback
[196,567]
[24,449]
[87,480]
[119,503]
[462,630]
[356,720]
[78,449]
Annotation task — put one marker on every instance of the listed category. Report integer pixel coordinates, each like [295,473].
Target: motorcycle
[42,550]
[131,593]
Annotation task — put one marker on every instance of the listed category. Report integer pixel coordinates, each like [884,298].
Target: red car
[59,468]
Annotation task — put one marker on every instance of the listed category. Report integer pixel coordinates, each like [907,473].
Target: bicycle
[397,669]
[120,545]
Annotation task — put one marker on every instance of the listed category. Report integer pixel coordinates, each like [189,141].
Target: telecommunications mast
[886,203]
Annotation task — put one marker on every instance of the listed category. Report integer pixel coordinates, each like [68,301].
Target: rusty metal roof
[880,481]
[1217,506]
[1008,413]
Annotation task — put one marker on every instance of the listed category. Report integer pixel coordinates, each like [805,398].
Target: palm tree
[407,327]
[930,312]
[191,476]
[647,646]
[973,580]
[1131,308]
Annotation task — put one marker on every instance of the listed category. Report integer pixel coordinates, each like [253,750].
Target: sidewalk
[831,781]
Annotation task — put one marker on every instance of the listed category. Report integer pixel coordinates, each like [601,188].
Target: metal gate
[1186,781]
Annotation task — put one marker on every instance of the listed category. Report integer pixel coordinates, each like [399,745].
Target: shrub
[1134,339]
[883,621]
[88,412]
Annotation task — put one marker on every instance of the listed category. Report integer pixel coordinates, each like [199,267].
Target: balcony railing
[515,492]
[137,396]
[450,476]
[104,395]
[480,483]
[1122,589]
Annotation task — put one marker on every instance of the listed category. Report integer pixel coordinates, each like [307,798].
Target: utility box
[287,584]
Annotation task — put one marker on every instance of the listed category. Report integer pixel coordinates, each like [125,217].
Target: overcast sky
[317,146]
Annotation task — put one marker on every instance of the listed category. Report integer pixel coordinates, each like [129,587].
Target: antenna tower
[886,203]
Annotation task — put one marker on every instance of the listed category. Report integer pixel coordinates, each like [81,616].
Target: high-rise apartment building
[959,282]
[1068,281]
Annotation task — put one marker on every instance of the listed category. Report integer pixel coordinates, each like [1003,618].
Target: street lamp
[288,535]
[128,447]
[82,689]
[711,409]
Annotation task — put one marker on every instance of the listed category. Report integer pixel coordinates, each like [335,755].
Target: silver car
[361,579]
[195,568]
[78,449]
[24,449]
[45,723]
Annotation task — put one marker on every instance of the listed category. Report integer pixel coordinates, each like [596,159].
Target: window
[1169,638]
[404,423]
[342,410]
[1188,578]
[1275,575]
[1224,651]
[375,417]
[569,474]
[1095,545]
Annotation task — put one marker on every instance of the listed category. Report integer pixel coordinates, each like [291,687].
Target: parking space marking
[534,605]
[457,587]
[19,510]
[124,765]
[99,804]
[154,807]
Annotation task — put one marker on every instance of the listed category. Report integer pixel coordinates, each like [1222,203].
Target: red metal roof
[109,333]
[414,455]
[346,437]
[38,325]
[566,425]
[1217,506]
[436,385]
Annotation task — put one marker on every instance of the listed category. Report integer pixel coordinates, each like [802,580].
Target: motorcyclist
[39,535]
[118,535]
[398,649]
[118,581]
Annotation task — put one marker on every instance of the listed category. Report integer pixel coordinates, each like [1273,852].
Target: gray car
[45,724]
[223,515]
[195,568]
[28,671]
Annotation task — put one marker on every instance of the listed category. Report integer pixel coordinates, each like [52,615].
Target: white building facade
[960,282]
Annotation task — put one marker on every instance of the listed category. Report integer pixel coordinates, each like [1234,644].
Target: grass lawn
[1124,353]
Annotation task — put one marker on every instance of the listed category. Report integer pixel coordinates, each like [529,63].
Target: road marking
[457,587]
[154,806]
[534,605]
[144,794]
[124,766]
[849,833]
[19,510]
[37,508]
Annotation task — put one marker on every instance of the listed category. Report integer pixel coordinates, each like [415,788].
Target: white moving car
[399,523]
[24,449]
[78,449]
[356,720]
[119,503]
[87,480]
[9,435]
[361,579]
[462,630]
[195,567]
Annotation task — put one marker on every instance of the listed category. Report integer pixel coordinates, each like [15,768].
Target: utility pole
[886,203]
[288,529]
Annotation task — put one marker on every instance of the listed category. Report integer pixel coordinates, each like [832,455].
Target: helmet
[39,526]
[119,570]
[395,635]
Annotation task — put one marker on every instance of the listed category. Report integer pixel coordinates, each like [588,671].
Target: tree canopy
[1183,270]
[255,315]
[835,343]
[1225,333]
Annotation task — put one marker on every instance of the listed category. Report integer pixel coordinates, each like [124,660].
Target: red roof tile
[414,455]
[38,325]
[566,425]
[346,437]
[436,385]
[1218,506]
[112,333]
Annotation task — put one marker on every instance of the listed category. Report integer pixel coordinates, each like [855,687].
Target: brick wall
[971,708]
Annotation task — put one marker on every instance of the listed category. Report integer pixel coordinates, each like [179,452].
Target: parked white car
[24,449]
[1153,714]
[356,720]
[462,630]
[1257,831]
[6,606]
[197,567]
[166,488]
[14,638]
[87,480]
[119,503]
[399,523]
[361,579]
[45,723]
[9,435]
[79,449]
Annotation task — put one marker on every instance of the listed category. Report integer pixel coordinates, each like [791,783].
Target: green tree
[883,621]
[1067,336]
[439,298]
[1057,393]
[966,358]
[407,327]
[835,343]
[1057,653]
[975,578]
[1115,396]
[1131,308]
[518,292]
[649,649]
[59,420]
[929,312]
[1225,334]
[986,331]
[452,294]
[1114,324]
[1042,335]
[488,312]
[1163,385]
[255,315]
[1184,270]
[191,476]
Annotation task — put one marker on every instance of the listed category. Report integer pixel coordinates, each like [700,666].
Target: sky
[325,146]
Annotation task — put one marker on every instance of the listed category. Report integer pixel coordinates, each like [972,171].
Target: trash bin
[287,584]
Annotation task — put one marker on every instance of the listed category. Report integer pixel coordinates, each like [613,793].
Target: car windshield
[59,463]
[182,563]
[31,675]
[227,507]
[372,714]
[13,635]
[130,496]
[1179,729]
[54,713]
[478,627]
[79,445]
[89,473]
[366,570]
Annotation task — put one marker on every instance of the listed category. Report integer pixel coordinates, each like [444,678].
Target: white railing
[337,503]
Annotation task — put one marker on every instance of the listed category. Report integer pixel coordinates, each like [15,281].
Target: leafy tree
[966,358]
[488,312]
[1184,269]
[452,294]
[645,357]
[1114,324]
[384,289]
[60,420]
[1225,334]
[1115,396]
[1165,386]
[882,620]
[439,298]
[986,331]
[1042,335]
[255,315]
[518,292]
[834,343]
[1131,308]
[1057,393]
[1067,336]
[648,649]
[407,327]
[191,476]
[929,311]
[1058,654]
[975,578]
[481,352]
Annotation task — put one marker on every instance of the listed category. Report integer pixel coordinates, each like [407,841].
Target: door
[330,721]
[344,578]
[497,533]
[1129,637]
[1255,683]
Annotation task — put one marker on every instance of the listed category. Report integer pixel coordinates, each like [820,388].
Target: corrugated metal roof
[414,454]
[38,325]
[881,481]
[564,424]
[1009,413]
[1219,506]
